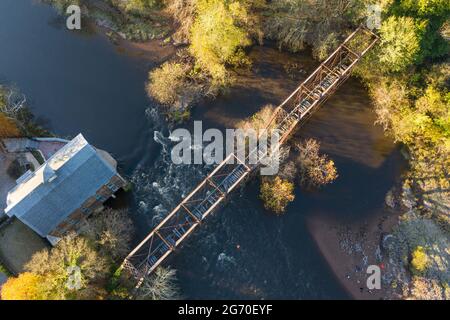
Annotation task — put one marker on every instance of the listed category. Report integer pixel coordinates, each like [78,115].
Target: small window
[86,210]
[112,186]
[101,198]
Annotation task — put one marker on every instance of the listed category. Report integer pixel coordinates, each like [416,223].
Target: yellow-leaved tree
[276,194]
[216,37]
[27,286]
[419,261]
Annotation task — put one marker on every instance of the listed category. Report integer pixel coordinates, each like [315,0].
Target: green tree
[430,17]
[400,43]
[437,106]
[423,7]
[216,38]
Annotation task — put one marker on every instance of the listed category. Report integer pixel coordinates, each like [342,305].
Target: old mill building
[72,184]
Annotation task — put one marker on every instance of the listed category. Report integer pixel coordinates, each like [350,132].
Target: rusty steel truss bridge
[214,189]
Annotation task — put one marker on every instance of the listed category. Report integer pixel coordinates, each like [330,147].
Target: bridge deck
[295,110]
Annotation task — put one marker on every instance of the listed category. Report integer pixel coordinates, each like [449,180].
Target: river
[81,82]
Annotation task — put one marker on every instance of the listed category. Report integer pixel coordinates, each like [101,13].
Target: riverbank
[350,235]
[350,248]
[349,222]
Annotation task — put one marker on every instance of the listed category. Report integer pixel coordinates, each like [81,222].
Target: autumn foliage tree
[419,261]
[258,121]
[167,83]
[8,128]
[111,232]
[276,194]
[400,43]
[315,170]
[216,36]
[27,286]
[54,267]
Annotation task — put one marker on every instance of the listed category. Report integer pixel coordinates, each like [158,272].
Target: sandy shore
[350,248]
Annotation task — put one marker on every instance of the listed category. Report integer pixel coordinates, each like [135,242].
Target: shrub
[4,270]
[15,169]
[276,194]
[419,261]
[38,156]
[139,6]
[325,47]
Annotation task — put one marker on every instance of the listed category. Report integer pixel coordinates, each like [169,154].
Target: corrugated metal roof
[79,171]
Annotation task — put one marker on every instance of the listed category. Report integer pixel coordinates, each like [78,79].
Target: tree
[276,194]
[434,104]
[167,82]
[216,38]
[57,265]
[288,171]
[27,286]
[400,43]
[297,23]
[183,12]
[315,169]
[258,121]
[419,261]
[326,46]
[111,231]
[423,7]
[8,128]
[389,98]
[161,285]
[16,169]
